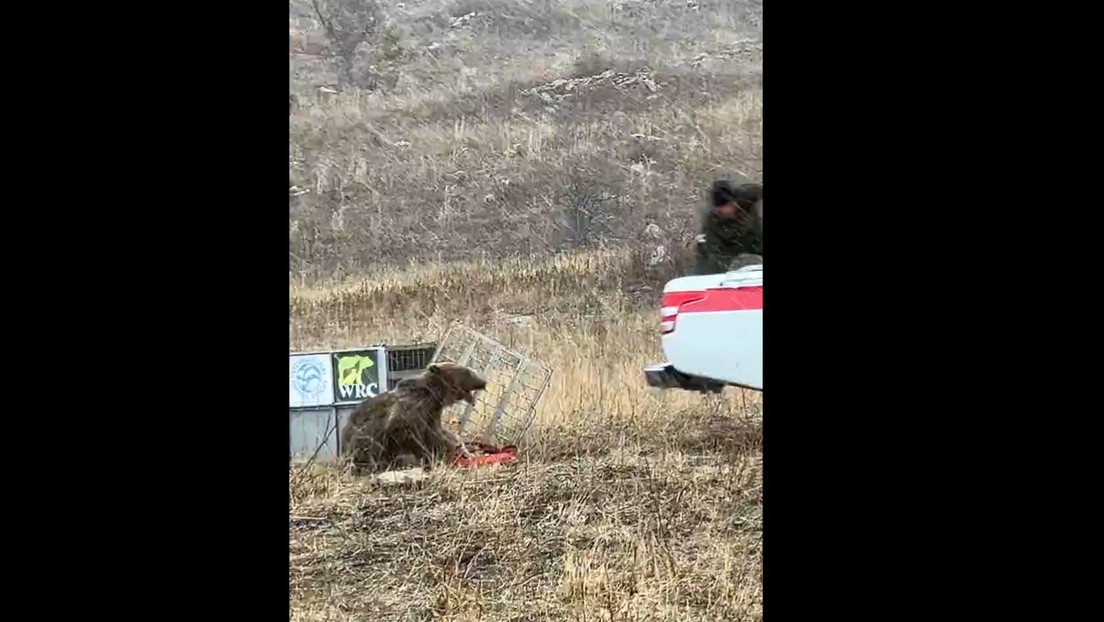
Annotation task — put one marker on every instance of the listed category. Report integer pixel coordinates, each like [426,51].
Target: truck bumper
[663,376]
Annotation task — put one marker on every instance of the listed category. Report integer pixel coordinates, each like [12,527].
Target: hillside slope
[495,128]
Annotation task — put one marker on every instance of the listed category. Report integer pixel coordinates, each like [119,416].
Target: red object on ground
[490,455]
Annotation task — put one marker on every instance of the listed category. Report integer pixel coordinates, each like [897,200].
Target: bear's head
[458,382]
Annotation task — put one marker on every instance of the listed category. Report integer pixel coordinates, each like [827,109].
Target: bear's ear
[433,368]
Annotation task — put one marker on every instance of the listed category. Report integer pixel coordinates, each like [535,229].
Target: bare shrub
[350,27]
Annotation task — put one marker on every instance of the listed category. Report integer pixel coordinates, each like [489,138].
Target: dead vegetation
[541,164]
[511,129]
[625,505]
[640,529]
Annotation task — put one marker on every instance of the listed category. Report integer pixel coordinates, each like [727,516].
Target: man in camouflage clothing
[732,229]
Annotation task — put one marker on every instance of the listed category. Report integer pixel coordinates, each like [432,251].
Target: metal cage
[505,411]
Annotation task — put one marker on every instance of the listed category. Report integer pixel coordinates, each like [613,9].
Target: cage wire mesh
[505,410]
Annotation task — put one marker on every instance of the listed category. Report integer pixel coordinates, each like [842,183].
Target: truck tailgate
[718,333]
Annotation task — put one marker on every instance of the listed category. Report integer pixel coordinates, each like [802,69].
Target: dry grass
[616,537]
[627,505]
[528,128]
[547,150]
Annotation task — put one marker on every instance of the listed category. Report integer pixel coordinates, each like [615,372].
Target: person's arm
[699,247]
[708,261]
[754,243]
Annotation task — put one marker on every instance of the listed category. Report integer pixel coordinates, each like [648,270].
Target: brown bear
[406,421]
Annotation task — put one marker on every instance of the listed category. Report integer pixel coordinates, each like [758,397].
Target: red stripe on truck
[726,299]
[672,301]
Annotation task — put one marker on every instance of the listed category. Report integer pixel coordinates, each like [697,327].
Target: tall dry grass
[527,128]
[532,169]
[626,504]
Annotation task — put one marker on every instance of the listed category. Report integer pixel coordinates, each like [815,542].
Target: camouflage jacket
[721,241]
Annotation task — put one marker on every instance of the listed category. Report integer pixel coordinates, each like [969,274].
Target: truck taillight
[669,308]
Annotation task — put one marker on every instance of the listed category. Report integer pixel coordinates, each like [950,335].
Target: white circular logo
[308,378]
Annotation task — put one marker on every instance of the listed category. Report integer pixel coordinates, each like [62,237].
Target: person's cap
[721,193]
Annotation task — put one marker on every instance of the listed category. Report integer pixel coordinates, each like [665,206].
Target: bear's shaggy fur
[406,421]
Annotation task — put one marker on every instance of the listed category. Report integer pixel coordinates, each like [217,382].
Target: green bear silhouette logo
[349,369]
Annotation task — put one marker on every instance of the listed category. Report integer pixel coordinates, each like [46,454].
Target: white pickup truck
[712,331]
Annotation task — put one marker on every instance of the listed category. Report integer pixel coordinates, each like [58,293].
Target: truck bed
[712,332]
